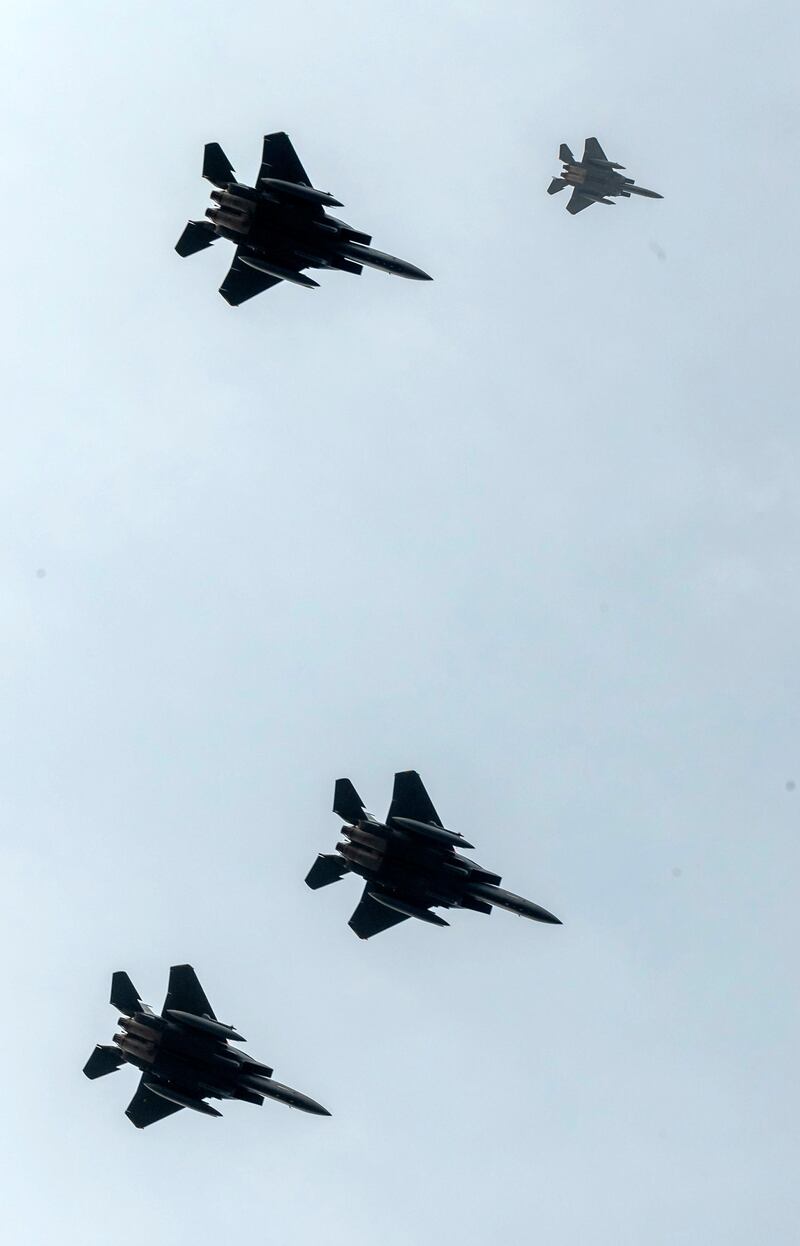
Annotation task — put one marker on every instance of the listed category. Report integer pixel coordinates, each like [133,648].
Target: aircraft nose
[541,915]
[306,1104]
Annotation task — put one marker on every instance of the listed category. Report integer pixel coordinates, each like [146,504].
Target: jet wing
[145,1108]
[593,151]
[578,202]
[410,800]
[279,159]
[371,917]
[244,282]
[185,993]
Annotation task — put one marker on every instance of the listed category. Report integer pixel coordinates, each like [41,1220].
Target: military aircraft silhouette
[409,862]
[594,178]
[184,1055]
[280,226]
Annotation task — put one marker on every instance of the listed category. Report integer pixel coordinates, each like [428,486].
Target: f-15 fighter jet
[185,1055]
[410,863]
[280,226]
[594,178]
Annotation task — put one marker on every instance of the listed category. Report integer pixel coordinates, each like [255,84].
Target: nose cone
[541,915]
[413,273]
[304,1103]
[316,1109]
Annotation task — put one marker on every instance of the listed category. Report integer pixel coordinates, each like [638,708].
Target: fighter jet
[410,863]
[594,178]
[185,1055]
[280,226]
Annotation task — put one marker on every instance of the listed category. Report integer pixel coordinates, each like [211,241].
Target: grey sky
[531,530]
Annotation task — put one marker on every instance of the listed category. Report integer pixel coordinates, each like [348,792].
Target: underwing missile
[294,190]
[275,270]
[408,910]
[183,1101]
[437,833]
[640,190]
[205,1024]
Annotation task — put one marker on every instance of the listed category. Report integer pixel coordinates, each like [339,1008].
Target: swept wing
[243,282]
[279,159]
[578,202]
[145,1108]
[371,917]
[593,151]
[185,994]
[410,799]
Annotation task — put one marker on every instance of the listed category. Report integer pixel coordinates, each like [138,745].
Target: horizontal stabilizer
[327,869]
[556,185]
[196,237]
[124,996]
[565,155]
[346,802]
[217,168]
[102,1061]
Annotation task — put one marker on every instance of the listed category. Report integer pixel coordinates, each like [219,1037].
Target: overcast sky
[531,529]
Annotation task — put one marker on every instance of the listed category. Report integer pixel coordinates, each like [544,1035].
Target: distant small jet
[280,226]
[184,1055]
[594,178]
[410,863]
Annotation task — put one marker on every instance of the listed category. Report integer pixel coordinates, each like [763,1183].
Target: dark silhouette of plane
[184,1055]
[280,226]
[409,862]
[594,179]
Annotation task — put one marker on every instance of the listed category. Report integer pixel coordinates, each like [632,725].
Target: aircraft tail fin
[217,168]
[556,185]
[346,802]
[124,996]
[565,155]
